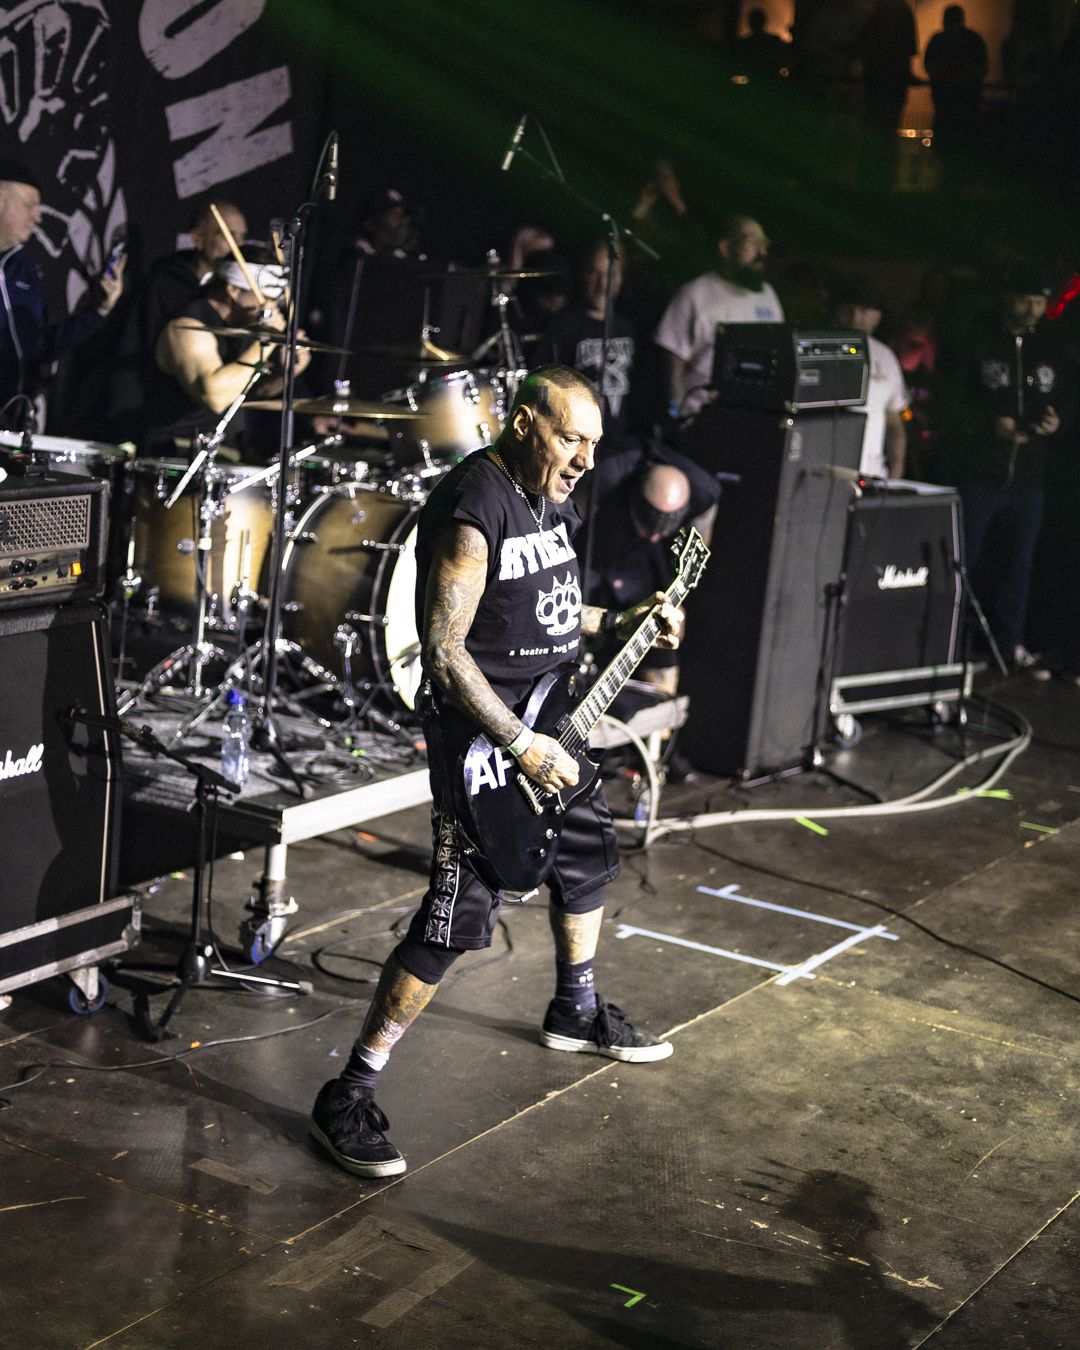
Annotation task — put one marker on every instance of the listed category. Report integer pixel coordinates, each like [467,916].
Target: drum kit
[190,535]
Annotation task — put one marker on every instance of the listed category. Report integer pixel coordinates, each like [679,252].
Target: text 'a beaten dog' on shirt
[528,621]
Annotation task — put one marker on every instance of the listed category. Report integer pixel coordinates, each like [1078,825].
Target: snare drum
[351,560]
[460,414]
[240,532]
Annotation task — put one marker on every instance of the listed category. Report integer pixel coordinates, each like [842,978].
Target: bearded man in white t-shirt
[858,304]
[735,292]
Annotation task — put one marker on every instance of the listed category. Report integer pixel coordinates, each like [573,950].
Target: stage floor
[865,1137]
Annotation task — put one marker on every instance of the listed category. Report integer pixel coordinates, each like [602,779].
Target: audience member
[29,339]
[858,304]
[734,292]
[956,63]
[575,337]
[885,48]
[1005,391]
[761,53]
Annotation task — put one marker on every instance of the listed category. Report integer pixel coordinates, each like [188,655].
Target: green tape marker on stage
[1042,829]
[1002,794]
[811,825]
[637,1295]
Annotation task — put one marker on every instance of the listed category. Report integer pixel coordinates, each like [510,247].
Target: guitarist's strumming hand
[548,764]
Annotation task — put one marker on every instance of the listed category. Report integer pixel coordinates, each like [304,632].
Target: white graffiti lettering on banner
[231,119]
[54,97]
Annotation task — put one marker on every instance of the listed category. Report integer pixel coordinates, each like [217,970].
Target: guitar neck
[606,689]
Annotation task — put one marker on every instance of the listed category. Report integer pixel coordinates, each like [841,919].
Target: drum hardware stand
[130,584]
[346,639]
[195,964]
[197,654]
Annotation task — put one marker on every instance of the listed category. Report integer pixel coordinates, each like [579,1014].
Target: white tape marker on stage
[732,893]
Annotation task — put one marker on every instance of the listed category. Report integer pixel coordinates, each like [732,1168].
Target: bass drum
[351,561]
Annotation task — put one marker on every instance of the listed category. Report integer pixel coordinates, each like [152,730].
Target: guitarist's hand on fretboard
[548,764]
[672,620]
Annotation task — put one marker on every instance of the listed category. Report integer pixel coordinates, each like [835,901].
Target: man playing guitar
[499,607]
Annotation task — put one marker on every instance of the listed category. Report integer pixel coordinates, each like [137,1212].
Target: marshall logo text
[31,762]
[902,578]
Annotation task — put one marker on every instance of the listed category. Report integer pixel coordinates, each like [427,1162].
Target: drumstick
[275,239]
[234,249]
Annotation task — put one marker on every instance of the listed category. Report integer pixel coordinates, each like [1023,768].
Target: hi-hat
[492,273]
[330,406]
[272,336]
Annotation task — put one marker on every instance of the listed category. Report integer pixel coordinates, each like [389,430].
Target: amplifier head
[53,536]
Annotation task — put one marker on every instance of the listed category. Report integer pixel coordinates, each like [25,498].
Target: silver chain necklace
[539,518]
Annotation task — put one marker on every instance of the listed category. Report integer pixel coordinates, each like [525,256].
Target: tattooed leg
[399,999]
[576,935]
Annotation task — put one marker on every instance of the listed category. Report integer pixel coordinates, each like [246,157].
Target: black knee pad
[424,960]
[582,904]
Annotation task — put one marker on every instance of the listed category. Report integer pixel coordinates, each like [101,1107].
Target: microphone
[329,180]
[515,141]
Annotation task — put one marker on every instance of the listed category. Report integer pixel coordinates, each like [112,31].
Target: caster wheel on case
[83,1006]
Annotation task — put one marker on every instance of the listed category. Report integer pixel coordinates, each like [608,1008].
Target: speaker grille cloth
[28,524]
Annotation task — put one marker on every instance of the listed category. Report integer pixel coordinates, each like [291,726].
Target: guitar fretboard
[604,692]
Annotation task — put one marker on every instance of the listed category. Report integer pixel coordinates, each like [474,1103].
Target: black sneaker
[346,1122]
[605,1031]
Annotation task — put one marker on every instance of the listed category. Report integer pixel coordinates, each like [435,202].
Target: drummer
[201,368]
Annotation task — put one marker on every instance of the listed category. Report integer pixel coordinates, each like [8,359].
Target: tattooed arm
[455,586]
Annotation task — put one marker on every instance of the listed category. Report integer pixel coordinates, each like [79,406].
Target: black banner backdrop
[131,111]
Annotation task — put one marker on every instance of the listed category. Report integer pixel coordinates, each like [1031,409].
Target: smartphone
[117,249]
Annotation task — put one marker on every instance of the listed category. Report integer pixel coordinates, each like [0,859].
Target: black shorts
[459,909]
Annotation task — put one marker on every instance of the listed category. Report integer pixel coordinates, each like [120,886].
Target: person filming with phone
[29,340]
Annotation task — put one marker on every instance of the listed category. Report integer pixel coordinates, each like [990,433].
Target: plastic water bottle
[235,731]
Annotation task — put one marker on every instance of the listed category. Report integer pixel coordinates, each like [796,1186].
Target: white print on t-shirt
[1044,378]
[620,354]
[995,374]
[531,553]
[559,608]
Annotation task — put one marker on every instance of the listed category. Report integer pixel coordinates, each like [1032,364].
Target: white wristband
[520,743]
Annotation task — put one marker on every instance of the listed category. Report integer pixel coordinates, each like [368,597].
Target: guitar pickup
[530,794]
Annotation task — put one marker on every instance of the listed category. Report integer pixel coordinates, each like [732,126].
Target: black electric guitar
[510,822]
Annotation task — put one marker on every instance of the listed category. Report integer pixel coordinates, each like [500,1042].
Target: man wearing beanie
[29,342]
[1007,388]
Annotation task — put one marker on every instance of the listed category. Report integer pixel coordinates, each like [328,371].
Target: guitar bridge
[530,794]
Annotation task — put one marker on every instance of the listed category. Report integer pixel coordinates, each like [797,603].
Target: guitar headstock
[691,555]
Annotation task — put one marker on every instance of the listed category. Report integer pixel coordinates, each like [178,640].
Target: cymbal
[492,273]
[271,336]
[329,406]
[415,354]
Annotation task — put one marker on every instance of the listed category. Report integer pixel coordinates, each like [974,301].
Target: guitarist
[499,606]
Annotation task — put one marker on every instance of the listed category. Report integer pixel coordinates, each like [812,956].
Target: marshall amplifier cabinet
[775,367]
[899,631]
[751,659]
[59,790]
[53,532]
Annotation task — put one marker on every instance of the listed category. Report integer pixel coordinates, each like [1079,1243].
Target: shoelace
[610,1027]
[370,1114]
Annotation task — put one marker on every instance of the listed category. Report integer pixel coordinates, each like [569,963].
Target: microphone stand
[616,233]
[194,966]
[265,734]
